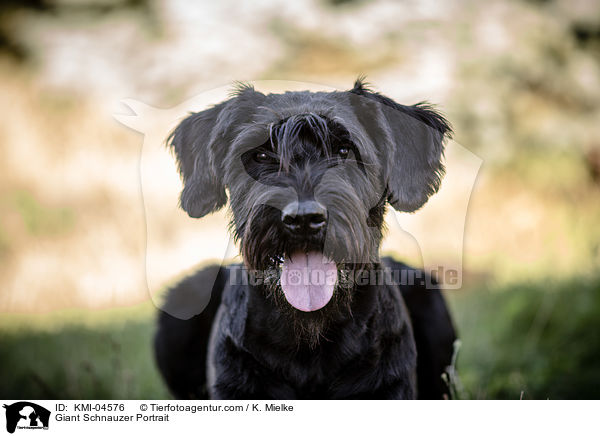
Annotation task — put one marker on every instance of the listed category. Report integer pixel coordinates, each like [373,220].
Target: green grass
[80,356]
[538,338]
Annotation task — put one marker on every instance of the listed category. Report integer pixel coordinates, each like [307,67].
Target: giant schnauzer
[313,312]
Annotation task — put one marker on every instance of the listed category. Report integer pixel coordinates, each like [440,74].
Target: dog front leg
[234,374]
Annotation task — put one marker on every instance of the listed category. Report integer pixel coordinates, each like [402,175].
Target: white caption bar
[298,417]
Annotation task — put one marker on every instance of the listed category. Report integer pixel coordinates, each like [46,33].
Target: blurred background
[519,80]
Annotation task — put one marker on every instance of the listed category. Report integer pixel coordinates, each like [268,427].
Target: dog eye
[261,156]
[343,152]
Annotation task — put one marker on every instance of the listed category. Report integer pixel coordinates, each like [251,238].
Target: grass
[532,340]
[537,340]
[105,355]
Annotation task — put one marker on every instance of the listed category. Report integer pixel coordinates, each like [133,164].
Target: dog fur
[349,153]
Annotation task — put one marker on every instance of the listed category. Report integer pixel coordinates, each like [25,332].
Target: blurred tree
[12,11]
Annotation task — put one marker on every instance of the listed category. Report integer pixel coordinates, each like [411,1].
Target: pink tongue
[307,280]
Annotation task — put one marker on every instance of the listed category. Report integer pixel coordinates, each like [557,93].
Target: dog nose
[304,216]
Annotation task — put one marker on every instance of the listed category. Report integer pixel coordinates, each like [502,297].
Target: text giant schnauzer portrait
[314,311]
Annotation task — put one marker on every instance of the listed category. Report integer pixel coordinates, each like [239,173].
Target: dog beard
[311,328]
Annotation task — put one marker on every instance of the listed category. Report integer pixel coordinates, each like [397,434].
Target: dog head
[308,176]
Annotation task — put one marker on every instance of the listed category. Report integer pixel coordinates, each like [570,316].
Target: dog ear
[410,140]
[200,143]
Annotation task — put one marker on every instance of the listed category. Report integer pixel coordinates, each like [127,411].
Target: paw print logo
[294,277]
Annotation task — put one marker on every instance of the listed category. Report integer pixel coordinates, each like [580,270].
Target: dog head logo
[26,415]
[308,176]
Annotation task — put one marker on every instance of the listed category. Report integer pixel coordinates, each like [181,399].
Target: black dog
[313,312]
